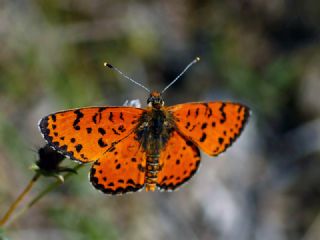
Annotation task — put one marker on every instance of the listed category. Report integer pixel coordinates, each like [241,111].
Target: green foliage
[75,220]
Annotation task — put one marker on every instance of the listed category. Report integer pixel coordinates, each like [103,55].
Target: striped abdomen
[152,169]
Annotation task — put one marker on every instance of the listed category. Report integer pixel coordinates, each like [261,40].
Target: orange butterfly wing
[121,169]
[212,126]
[84,134]
[178,161]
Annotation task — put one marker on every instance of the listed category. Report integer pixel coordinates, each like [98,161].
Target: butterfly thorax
[155,129]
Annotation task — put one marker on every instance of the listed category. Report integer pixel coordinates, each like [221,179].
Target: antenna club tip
[107,65]
[197,59]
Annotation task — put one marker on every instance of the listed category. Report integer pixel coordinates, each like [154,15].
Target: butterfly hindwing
[178,161]
[121,169]
[212,126]
[85,134]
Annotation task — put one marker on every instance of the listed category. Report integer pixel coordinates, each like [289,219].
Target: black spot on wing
[118,166]
[203,137]
[83,156]
[204,126]
[115,131]
[208,110]
[121,128]
[223,114]
[97,116]
[192,128]
[79,115]
[94,118]
[110,117]
[197,112]
[102,143]
[78,147]
[101,131]
[130,181]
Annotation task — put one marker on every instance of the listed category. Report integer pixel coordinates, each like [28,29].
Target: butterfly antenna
[124,75]
[197,59]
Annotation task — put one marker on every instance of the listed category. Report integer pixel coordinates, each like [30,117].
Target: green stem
[40,195]
[19,199]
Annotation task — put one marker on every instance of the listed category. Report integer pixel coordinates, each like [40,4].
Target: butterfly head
[155,100]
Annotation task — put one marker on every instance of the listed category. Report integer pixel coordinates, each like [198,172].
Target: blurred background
[263,53]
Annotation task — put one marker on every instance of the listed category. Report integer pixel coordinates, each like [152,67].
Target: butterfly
[152,148]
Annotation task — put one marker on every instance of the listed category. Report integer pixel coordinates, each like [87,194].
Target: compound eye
[150,99]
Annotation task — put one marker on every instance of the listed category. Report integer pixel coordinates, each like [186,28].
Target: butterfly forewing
[85,134]
[212,126]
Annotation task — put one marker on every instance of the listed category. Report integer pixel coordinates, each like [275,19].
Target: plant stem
[52,186]
[19,199]
[40,195]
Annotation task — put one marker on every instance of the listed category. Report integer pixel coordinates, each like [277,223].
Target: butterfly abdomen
[152,169]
